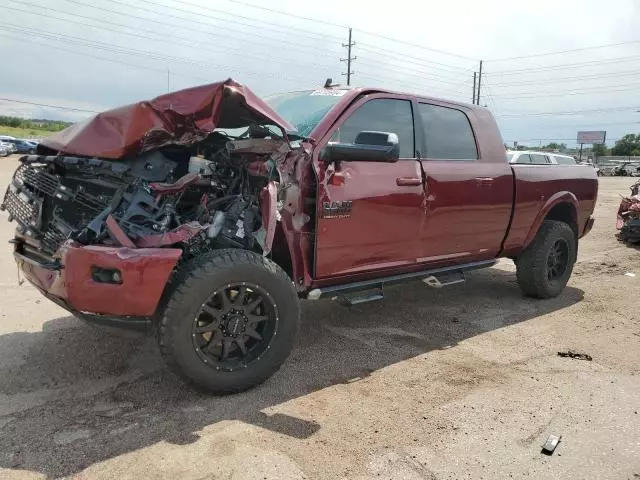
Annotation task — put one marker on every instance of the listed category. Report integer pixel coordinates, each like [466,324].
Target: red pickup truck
[206,214]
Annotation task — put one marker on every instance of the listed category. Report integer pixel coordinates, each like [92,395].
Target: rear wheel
[545,267]
[230,323]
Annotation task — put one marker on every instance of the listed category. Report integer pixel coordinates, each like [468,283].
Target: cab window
[448,134]
[381,115]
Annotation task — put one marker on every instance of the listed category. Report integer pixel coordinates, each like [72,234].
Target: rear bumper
[589,225]
[71,281]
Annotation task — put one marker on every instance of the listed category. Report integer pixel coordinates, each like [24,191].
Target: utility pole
[479,82]
[349,59]
[473,98]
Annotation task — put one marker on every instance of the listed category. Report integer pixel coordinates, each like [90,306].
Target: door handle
[408,181]
[484,181]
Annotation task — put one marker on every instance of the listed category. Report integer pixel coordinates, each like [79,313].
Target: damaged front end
[107,210]
[628,221]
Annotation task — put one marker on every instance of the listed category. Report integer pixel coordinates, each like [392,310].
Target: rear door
[369,213]
[468,194]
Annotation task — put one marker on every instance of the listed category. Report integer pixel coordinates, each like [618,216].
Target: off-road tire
[197,281]
[532,270]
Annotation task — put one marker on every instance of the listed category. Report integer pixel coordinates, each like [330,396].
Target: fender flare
[553,201]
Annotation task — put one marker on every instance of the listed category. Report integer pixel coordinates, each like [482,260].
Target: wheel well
[564,212]
[280,253]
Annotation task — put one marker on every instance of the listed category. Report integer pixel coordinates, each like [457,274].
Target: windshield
[304,110]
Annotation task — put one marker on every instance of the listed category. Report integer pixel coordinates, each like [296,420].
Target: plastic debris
[577,356]
[629,274]
[550,445]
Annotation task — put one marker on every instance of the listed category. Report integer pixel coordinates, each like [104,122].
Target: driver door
[369,213]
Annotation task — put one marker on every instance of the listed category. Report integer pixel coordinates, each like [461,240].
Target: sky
[542,77]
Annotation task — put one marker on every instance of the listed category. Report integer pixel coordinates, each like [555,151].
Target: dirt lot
[428,384]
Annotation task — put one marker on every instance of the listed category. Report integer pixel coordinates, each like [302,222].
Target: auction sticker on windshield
[329,92]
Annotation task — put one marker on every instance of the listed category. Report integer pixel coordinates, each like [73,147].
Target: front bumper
[71,279]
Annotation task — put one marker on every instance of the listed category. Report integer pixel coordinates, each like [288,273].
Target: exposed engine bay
[197,197]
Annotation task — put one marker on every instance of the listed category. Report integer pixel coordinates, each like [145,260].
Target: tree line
[628,145]
[33,123]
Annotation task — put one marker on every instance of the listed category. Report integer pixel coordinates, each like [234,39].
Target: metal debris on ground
[550,445]
[628,221]
[577,356]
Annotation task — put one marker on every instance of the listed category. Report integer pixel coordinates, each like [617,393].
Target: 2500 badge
[337,209]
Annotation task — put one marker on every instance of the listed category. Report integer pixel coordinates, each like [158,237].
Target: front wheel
[230,323]
[544,268]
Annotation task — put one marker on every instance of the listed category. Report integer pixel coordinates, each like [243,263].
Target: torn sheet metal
[181,118]
[628,218]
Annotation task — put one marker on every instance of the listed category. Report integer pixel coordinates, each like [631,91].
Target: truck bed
[540,188]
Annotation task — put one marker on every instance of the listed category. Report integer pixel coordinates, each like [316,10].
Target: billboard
[592,137]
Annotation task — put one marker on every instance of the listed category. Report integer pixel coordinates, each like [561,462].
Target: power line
[560,52]
[85,54]
[426,80]
[50,106]
[573,112]
[411,86]
[392,62]
[418,73]
[403,42]
[565,66]
[421,61]
[161,36]
[273,10]
[562,93]
[569,79]
[280,27]
[281,30]
[423,77]
[288,14]
[138,53]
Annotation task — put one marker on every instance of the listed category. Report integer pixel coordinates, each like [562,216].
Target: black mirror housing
[368,147]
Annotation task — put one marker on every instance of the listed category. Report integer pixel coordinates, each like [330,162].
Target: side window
[381,115]
[565,161]
[448,134]
[539,159]
[523,158]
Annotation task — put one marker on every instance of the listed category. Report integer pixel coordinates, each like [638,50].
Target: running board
[360,297]
[437,278]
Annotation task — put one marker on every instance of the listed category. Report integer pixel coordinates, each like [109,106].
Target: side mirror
[368,147]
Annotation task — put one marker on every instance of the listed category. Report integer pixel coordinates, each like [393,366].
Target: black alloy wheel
[235,326]
[230,321]
[558,259]
[544,267]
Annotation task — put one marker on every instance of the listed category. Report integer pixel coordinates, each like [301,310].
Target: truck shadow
[74,396]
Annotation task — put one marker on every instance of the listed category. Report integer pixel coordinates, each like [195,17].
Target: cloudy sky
[551,67]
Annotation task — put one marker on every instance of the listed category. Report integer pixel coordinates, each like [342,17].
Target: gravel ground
[463,382]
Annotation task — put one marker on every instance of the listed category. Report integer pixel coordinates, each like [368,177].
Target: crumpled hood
[181,117]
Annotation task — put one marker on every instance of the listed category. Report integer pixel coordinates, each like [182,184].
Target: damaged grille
[21,208]
[35,195]
[53,238]
[40,181]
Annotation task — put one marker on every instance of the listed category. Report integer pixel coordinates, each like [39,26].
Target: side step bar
[437,278]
